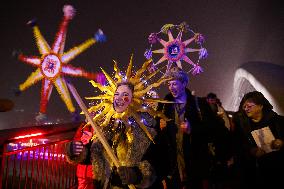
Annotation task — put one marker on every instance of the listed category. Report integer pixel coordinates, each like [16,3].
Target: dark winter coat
[194,144]
[264,171]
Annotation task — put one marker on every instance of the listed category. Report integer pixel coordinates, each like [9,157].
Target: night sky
[235,31]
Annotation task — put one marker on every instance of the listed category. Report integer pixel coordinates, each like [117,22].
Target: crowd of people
[198,147]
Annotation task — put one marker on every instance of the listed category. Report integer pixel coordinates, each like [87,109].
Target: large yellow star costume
[104,109]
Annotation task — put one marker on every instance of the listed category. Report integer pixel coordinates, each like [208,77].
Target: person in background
[220,145]
[259,137]
[82,139]
[84,171]
[218,109]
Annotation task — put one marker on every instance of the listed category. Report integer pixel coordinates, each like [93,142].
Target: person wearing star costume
[175,50]
[129,124]
[52,66]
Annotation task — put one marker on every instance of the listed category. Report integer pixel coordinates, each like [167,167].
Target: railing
[36,158]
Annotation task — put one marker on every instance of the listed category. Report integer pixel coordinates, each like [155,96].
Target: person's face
[122,98]
[211,100]
[251,109]
[177,88]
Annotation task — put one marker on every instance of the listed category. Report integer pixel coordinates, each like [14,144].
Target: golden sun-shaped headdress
[105,110]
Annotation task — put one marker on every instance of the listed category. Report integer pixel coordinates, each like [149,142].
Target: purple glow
[197,69]
[203,53]
[45,153]
[148,54]
[153,38]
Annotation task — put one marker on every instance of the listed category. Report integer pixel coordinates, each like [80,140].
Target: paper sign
[263,138]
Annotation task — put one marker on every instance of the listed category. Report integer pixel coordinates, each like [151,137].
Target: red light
[30,135]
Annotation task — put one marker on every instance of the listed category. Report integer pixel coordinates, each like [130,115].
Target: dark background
[236,32]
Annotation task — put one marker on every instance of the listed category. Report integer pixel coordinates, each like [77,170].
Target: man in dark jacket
[187,136]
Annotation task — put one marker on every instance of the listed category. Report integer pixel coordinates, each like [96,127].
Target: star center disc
[174,51]
[50,66]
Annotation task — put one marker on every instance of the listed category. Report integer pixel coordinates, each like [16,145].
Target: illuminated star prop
[175,50]
[105,110]
[53,66]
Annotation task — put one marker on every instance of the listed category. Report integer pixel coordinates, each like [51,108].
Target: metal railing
[37,160]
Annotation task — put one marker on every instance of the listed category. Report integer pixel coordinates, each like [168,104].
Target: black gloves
[129,175]
[76,147]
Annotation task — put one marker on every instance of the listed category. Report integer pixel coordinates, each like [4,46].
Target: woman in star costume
[129,124]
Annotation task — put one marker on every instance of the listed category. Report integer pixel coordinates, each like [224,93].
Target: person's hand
[220,113]
[164,183]
[77,147]
[163,124]
[185,126]
[277,144]
[86,137]
[128,175]
[230,162]
[257,152]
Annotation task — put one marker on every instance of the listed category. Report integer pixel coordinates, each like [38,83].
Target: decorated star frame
[52,66]
[141,101]
[176,51]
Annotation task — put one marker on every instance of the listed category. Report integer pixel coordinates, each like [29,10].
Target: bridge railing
[34,157]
